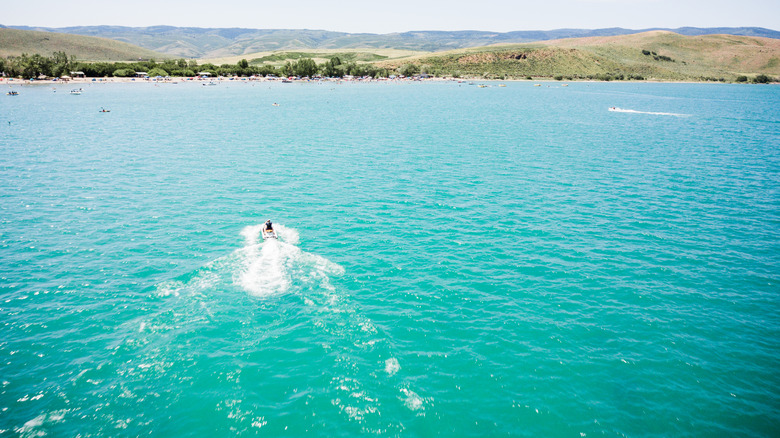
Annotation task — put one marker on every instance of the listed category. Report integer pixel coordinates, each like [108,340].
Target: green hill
[654,55]
[210,43]
[14,42]
[651,55]
[318,55]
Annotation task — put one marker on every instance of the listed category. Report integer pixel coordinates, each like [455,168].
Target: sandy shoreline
[79,82]
[196,80]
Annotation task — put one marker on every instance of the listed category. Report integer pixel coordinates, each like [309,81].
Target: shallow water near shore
[452,260]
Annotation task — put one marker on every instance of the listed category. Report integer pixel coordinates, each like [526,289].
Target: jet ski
[269,234]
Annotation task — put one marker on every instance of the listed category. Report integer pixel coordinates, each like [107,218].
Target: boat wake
[621,110]
[273,266]
[261,268]
[358,353]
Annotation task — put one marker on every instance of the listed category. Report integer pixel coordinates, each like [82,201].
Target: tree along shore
[60,64]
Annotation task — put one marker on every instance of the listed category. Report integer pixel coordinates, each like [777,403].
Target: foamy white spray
[272,266]
[267,268]
[622,110]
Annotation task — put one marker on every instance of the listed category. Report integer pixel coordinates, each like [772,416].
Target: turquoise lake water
[453,260]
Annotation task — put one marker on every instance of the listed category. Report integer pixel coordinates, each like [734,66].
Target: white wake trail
[622,110]
[275,265]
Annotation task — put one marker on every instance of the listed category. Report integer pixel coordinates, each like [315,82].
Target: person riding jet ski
[268,230]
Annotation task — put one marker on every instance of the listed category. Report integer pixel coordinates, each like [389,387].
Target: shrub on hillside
[762,79]
[409,70]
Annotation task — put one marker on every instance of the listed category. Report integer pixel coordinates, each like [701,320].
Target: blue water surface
[453,260]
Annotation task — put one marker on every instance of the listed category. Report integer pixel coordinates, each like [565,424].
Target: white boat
[76,91]
[269,234]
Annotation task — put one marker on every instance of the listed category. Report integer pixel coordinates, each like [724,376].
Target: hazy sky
[397,15]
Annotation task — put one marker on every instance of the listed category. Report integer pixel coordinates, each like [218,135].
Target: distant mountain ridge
[194,42]
[15,42]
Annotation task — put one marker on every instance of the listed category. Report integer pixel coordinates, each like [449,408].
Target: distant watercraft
[76,91]
[12,93]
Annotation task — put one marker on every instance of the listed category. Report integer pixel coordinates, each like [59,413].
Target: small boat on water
[76,91]
[12,93]
[269,234]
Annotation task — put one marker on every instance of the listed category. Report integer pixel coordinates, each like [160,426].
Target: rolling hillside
[14,42]
[654,55]
[210,43]
[697,55]
[650,55]
[318,55]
